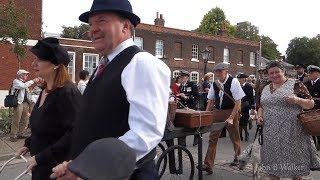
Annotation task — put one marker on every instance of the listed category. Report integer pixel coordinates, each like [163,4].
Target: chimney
[223,31]
[159,21]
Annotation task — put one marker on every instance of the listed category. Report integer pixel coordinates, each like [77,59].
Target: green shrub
[5,120]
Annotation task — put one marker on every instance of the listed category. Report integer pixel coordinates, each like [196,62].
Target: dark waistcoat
[105,109]
[314,91]
[227,103]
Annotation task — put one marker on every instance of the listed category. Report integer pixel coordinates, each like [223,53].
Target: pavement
[221,171]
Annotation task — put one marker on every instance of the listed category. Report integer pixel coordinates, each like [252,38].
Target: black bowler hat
[123,7]
[241,75]
[49,49]
[184,73]
[107,158]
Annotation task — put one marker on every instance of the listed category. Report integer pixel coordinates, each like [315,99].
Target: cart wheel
[183,163]
[162,167]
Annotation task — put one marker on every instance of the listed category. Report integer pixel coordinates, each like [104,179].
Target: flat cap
[242,75]
[22,71]
[184,73]
[107,158]
[221,66]
[313,68]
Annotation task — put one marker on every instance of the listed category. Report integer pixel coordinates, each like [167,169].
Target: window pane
[240,57]
[90,62]
[139,42]
[159,48]
[226,55]
[252,58]
[194,51]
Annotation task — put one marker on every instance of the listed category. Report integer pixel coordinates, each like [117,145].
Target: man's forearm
[236,108]
[209,105]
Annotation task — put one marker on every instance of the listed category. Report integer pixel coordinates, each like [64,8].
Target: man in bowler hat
[313,86]
[127,96]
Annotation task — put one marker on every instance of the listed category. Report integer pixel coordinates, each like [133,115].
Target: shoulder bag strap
[219,86]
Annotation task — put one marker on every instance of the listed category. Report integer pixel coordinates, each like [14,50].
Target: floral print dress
[287,151]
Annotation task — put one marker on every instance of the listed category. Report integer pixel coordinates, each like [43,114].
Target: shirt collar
[315,80]
[122,46]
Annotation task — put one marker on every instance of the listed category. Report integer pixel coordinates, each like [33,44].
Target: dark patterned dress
[287,151]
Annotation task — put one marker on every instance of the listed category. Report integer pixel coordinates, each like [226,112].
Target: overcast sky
[280,20]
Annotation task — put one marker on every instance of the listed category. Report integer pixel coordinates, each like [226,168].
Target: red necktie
[103,63]
[100,69]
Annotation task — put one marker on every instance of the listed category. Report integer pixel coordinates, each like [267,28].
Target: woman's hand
[31,164]
[61,172]
[21,151]
[292,99]
[259,120]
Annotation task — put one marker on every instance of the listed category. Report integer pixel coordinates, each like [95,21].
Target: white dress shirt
[22,86]
[82,86]
[146,81]
[236,90]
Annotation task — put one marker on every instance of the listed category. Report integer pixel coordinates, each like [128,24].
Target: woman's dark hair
[273,64]
[83,74]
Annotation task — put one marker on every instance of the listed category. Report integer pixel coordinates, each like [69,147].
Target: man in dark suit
[247,103]
[188,98]
[127,96]
[313,86]
[301,74]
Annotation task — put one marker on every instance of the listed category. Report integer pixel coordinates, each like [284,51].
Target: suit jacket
[248,99]
[314,91]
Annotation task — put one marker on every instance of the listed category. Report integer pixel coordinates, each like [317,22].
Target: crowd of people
[125,102]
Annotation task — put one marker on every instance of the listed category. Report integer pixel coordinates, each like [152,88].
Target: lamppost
[205,56]
[164,59]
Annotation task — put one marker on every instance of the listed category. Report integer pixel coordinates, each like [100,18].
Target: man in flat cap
[313,86]
[224,95]
[301,74]
[20,87]
[247,102]
[127,96]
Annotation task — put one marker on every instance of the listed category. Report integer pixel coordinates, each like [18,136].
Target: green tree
[269,48]
[213,21]
[75,32]
[13,29]
[304,50]
[244,30]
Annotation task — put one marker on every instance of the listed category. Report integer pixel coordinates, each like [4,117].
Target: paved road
[222,171]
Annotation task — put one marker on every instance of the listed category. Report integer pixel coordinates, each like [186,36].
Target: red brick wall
[33,9]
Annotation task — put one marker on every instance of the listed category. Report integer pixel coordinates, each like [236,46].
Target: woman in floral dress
[287,151]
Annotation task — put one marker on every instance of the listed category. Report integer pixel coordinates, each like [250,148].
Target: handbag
[11,100]
[310,121]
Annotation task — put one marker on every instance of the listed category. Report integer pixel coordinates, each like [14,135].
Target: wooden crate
[192,118]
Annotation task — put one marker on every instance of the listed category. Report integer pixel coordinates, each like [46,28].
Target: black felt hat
[49,49]
[241,75]
[122,7]
[107,158]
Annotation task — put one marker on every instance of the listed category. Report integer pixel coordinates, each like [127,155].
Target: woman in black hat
[54,112]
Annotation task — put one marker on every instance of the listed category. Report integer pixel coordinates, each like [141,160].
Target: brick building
[182,49]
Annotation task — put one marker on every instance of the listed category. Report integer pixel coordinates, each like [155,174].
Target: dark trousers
[147,172]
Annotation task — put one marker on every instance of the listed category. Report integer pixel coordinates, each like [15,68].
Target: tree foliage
[213,21]
[245,30]
[13,27]
[269,48]
[304,50]
[75,32]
